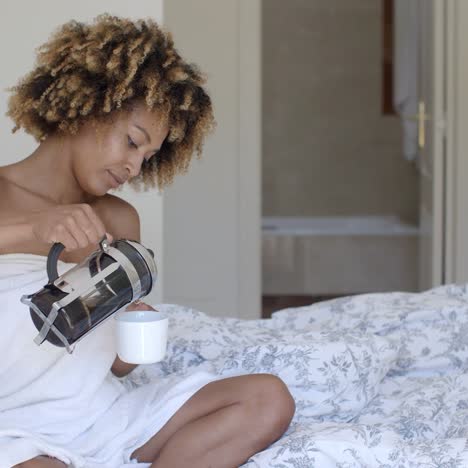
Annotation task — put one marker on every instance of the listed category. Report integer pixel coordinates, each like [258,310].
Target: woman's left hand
[120,368]
[139,305]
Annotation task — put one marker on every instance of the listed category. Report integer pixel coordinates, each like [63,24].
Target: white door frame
[432,156]
[456,200]
[250,176]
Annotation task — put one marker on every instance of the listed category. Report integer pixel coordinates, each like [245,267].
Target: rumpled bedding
[379,380]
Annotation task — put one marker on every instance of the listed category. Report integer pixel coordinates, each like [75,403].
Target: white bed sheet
[379,380]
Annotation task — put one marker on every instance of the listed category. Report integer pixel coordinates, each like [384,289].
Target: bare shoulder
[119,216]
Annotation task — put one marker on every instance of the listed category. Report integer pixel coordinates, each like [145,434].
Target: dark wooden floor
[271,304]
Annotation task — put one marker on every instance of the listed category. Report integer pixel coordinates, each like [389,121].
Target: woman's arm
[75,226]
[14,232]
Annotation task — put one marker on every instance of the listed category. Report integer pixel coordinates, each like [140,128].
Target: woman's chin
[97,191]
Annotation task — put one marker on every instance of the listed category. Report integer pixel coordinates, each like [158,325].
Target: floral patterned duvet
[380,380]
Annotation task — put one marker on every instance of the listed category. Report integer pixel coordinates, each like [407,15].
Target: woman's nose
[134,166]
[132,172]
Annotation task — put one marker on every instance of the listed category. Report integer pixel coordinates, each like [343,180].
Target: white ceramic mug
[141,336]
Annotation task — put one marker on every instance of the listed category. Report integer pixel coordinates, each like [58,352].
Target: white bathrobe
[70,406]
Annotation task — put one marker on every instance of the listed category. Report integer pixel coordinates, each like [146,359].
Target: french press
[71,305]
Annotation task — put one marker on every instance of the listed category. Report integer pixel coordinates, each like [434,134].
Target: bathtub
[338,255]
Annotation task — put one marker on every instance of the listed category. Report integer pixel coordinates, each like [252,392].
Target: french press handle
[52,261]
[54,254]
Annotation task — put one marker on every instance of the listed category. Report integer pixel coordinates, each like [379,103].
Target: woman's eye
[151,155]
[131,143]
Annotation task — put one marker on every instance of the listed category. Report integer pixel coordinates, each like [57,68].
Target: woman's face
[106,157]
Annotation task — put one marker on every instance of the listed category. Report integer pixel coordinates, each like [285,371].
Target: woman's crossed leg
[223,424]
[220,426]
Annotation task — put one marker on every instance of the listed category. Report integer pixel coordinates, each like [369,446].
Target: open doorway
[340,171]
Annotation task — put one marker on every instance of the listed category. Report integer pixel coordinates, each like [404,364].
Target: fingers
[94,222]
[139,305]
[75,226]
[63,236]
[85,226]
[78,233]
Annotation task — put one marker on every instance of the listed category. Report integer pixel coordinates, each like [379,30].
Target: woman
[112,102]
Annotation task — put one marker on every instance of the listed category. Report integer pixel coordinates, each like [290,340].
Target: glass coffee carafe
[73,304]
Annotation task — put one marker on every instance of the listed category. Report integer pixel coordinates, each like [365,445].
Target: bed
[379,380]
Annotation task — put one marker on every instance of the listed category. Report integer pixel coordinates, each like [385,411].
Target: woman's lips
[115,181]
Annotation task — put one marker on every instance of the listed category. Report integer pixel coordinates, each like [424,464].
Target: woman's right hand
[75,226]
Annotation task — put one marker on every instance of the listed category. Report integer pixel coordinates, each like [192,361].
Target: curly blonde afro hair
[87,71]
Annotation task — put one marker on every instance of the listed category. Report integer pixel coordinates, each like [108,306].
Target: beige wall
[327,148]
